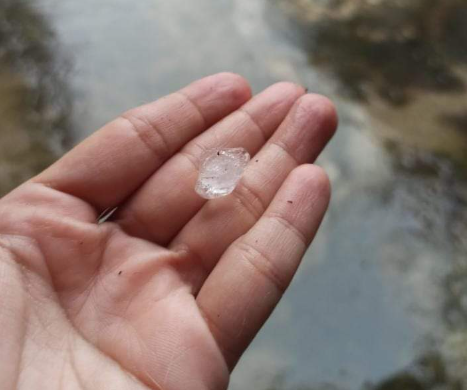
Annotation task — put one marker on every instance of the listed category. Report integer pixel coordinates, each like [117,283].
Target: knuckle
[250,199]
[149,134]
[262,264]
[255,123]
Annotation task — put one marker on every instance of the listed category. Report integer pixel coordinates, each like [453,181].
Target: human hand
[170,291]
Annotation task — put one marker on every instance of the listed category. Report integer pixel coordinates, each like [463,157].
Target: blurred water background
[380,301]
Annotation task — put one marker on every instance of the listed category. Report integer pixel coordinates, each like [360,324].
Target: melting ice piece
[220,172]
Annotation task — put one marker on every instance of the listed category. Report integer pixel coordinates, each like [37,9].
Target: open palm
[170,290]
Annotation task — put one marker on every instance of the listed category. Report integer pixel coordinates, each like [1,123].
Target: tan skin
[168,293]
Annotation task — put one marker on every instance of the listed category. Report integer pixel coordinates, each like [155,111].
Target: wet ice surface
[220,171]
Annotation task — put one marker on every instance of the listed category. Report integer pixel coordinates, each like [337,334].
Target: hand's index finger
[112,163]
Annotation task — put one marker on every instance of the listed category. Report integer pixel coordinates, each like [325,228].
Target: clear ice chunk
[220,171]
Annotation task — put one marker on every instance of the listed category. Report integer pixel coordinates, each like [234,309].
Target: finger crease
[196,107]
[284,148]
[250,200]
[191,159]
[289,226]
[263,265]
[261,130]
[142,135]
